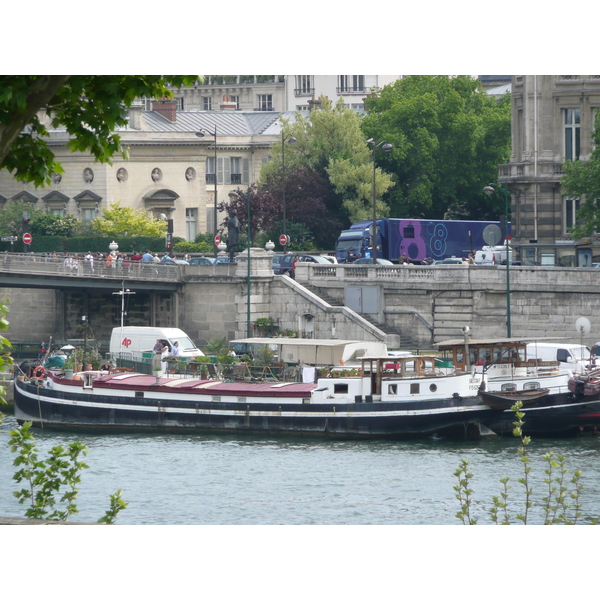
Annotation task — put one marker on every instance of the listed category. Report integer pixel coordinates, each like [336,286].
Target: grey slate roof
[228,123]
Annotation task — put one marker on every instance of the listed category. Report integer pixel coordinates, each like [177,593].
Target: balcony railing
[359,89]
[304,92]
[236,178]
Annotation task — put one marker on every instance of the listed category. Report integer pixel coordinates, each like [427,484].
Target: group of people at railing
[89,263]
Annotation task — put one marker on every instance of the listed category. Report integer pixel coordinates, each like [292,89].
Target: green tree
[449,137]
[90,107]
[48,224]
[330,142]
[582,180]
[11,217]
[119,221]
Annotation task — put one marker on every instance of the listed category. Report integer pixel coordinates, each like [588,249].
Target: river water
[250,480]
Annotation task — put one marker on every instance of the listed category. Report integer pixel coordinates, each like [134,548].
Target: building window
[210,219]
[89,214]
[179,103]
[206,103]
[351,83]
[304,85]
[191,224]
[572,133]
[210,169]
[236,170]
[57,212]
[233,170]
[265,102]
[235,99]
[571,208]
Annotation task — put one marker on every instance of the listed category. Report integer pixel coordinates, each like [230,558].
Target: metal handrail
[77,267]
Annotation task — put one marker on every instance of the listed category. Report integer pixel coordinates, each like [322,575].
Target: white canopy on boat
[317,352]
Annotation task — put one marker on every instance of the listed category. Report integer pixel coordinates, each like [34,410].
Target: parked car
[167,260]
[201,260]
[220,260]
[331,259]
[448,261]
[282,263]
[369,261]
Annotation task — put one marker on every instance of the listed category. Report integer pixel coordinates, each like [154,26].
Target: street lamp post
[290,140]
[202,133]
[386,148]
[233,196]
[490,189]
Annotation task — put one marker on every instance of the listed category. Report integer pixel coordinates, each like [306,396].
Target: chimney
[227,104]
[135,116]
[166,108]
[314,104]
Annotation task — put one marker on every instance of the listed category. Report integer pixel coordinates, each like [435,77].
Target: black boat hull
[557,414]
[67,410]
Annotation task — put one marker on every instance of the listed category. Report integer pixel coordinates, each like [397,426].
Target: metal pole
[374,232]
[283,182]
[507,200]
[248,278]
[215,250]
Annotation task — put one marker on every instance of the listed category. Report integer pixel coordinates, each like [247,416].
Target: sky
[449,38]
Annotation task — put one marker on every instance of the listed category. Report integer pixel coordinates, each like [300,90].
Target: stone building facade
[170,170]
[552,122]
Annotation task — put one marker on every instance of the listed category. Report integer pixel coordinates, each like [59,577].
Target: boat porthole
[433,387]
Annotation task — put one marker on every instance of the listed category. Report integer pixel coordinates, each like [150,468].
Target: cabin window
[216,398]
[532,385]
[139,394]
[415,388]
[433,387]
[340,388]
[242,399]
[393,389]
[509,387]
[460,355]
[562,355]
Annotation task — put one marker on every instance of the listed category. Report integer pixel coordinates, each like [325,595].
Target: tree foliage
[120,220]
[582,180]
[449,137]
[90,107]
[11,217]
[49,224]
[330,144]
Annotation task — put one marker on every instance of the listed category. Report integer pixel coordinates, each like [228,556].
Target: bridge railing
[73,267]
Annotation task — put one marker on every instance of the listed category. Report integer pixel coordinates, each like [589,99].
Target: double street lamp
[490,189]
[234,196]
[290,140]
[386,148]
[202,133]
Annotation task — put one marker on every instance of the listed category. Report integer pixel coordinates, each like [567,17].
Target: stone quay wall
[421,305]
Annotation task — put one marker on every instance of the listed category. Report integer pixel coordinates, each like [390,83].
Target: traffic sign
[217,240]
[284,239]
[27,238]
[9,238]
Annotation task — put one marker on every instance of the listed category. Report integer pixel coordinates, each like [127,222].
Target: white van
[571,357]
[133,342]
[490,255]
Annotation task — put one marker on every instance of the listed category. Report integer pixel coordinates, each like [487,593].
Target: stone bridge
[406,306]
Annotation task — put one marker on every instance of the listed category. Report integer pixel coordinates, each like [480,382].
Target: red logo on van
[126,342]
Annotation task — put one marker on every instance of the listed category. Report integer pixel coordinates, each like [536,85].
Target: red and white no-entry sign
[217,240]
[283,239]
[27,238]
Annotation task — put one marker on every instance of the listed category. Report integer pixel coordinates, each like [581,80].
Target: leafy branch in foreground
[556,505]
[46,479]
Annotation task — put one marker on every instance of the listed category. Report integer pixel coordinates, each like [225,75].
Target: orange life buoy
[39,372]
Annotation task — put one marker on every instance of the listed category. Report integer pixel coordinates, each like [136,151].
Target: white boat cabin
[497,358]
[395,380]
